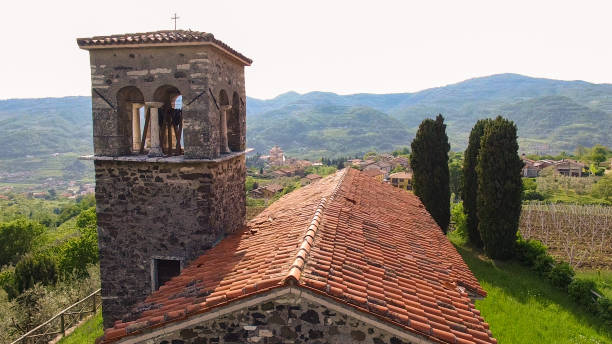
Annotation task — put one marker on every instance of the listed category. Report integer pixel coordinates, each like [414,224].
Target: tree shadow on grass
[525,285]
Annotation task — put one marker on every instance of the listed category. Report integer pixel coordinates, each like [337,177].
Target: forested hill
[45,126]
[551,114]
[561,114]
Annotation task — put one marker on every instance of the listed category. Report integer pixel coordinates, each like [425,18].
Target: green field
[522,307]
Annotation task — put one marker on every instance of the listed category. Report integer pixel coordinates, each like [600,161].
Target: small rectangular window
[164,270]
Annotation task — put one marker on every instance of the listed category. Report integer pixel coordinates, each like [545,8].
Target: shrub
[533,195]
[528,251]
[561,275]
[35,269]
[543,265]
[580,291]
[604,308]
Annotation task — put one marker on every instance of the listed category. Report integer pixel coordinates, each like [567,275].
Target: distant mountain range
[552,115]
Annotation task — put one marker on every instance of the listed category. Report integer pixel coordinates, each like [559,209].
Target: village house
[384,166]
[311,178]
[401,162]
[530,170]
[402,180]
[276,157]
[375,173]
[372,166]
[365,163]
[346,259]
[570,168]
[565,167]
[354,162]
[266,191]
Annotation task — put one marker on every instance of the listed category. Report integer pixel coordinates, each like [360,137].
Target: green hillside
[556,114]
[45,126]
[326,130]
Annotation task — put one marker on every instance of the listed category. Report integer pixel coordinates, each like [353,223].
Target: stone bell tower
[169,127]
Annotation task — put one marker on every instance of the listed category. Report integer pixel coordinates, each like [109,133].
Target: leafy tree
[470,182]
[598,154]
[369,155]
[603,188]
[35,269]
[429,161]
[77,253]
[455,170]
[398,168]
[499,188]
[596,170]
[249,183]
[459,218]
[405,151]
[75,209]
[7,282]
[17,238]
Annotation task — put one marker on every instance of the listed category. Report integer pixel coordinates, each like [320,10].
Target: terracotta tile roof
[401,175]
[313,176]
[173,37]
[348,237]
[373,172]
[273,187]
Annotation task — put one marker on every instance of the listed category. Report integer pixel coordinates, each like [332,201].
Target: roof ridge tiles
[295,273]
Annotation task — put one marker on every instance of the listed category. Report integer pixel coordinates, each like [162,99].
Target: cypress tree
[499,188]
[470,182]
[429,162]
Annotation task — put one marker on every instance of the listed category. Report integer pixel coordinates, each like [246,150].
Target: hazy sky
[338,46]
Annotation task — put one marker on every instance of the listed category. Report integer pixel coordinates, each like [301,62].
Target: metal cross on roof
[174,18]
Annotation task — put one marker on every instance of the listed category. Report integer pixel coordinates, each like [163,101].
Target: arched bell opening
[234,124]
[130,103]
[170,119]
[225,112]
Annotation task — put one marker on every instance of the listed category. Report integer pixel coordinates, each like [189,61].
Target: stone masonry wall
[284,320]
[198,72]
[148,210]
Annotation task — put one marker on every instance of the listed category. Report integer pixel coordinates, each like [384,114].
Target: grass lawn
[86,333]
[522,307]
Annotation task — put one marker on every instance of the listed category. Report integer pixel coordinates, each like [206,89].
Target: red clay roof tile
[348,237]
[162,37]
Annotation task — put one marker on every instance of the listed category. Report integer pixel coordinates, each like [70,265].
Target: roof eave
[245,61]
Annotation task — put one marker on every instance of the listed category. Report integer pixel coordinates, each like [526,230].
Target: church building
[343,260]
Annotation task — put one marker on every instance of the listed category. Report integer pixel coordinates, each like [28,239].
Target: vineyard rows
[578,234]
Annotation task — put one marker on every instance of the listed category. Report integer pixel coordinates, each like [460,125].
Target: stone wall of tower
[147,210]
[198,72]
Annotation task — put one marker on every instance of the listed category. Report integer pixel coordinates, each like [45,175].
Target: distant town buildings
[277,156]
[564,167]
[311,178]
[375,173]
[402,180]
[267,191]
